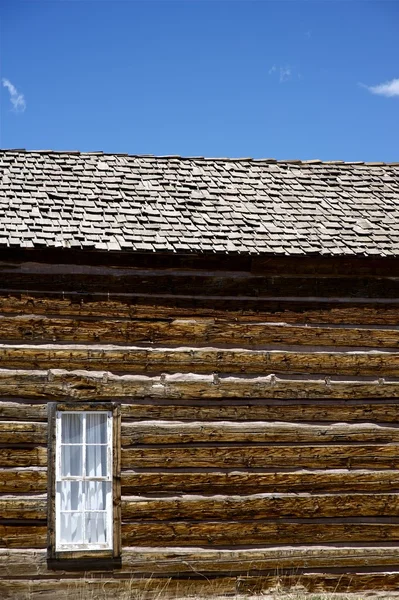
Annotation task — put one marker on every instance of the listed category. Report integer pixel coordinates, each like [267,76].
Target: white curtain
[83,504]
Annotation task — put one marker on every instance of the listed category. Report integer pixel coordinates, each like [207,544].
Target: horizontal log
[97,385]
[237,482]
[23,536]
[95,587]
[23,508]
[383,411]
[23,480]
[264,410]
[211,562]
[150,588]
[325,582]
[258,506]
[69,278]
[169,432]
[191,332]
[266,457]
[19,432]
[204,360]
[223,533]
[23,457]
[281,310]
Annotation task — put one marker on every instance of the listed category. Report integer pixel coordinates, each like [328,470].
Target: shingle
[113,202]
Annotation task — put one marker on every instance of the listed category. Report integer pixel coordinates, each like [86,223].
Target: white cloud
[17,100]
[388,89]
[283,73]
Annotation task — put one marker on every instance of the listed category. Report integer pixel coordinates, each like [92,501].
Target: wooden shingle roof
[147,203]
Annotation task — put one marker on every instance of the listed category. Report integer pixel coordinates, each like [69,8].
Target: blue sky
[282,79]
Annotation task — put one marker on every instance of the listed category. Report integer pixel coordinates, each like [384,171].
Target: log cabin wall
[259,402]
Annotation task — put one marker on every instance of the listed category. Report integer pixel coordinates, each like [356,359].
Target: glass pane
[70,495]
[71,461]
[96,428]
[96,494]
[71,530]
[96,528]
[96,461]
[72,428]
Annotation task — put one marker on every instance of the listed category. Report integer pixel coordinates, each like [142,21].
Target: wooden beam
[84,385]
[23,457]
[279,310]
[199,360]
[192,332]
[155,432]
[238,482]
[254,507]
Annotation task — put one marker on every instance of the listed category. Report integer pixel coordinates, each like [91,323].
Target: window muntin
[83,499]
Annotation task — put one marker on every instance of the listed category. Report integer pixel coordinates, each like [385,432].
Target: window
[83,481]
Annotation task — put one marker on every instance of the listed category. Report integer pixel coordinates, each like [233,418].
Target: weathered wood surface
[270,457]
[207,561]
[289,310]
[383,411]
[23,536]
[218,533]
[230,482]
[192,332]
[19,480]
[19,432]
[89,385]
[198,508]
[203,360]
[226,533]
[170,432]
[257,506]
[152,588]
[23,457]
[235,482]
[22,508]
[27,277]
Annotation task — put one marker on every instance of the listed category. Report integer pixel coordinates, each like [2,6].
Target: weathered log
[225,533]
[238,482]
[170,432]
[270,457]
[19,432]
[264,410]
[97,385]
[23,457]
[23,508]
[150,588]
[204,360]
[23,480]
[325,582]
[258,506]
[383,411]
[156,587]
[305,310]
[23,536]
[28,276]
[191,332]
[211,562]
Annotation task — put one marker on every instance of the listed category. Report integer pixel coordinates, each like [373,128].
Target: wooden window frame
[79,558]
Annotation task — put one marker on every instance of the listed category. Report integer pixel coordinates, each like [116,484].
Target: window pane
[96,428]
[71,461]
[70,495]
[96,461]
[96,494]
[72,428]
[96,528]
[71,530]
